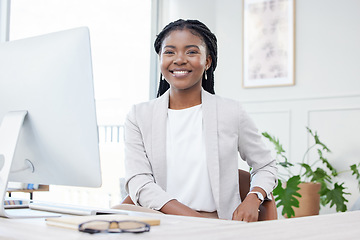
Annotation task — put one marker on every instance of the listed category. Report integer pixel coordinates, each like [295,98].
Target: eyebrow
[187,46]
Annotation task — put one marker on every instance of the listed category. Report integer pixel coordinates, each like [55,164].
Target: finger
[250,218]
[237,216]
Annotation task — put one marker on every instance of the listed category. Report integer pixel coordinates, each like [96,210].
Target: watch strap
[258,194]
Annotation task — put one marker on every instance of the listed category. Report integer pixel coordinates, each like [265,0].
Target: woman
[182,147]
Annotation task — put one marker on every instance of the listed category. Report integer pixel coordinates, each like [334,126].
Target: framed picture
[268,43]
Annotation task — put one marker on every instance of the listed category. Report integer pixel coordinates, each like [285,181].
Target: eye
[192,52]
[168,52]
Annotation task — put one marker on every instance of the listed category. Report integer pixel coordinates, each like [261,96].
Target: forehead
[183,37]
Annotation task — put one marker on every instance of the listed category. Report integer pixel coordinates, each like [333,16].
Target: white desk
[331,226]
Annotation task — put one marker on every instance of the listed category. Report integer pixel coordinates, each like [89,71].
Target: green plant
[320,170]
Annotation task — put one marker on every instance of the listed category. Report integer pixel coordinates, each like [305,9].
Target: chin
[185,86]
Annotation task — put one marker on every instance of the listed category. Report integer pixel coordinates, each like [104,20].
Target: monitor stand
[9,134]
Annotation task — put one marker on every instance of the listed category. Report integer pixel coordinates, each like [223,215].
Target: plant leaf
[323,191]
[286,196]
[336,197]
[278,147]
[327,163]
[286,164]
[308,171]
[320,176]
[317,140]
[355,171]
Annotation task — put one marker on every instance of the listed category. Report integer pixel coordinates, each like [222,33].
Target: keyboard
[71,209]
[28,213]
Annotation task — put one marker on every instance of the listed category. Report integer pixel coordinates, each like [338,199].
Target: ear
[208,62]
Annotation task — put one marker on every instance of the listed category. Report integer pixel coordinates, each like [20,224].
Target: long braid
[201,30]
[163,86]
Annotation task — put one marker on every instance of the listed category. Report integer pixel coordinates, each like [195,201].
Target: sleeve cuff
[265,181]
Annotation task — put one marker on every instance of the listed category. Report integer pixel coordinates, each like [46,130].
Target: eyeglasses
[98,226]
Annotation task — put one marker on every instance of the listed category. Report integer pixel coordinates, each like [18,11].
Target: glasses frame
[92,231]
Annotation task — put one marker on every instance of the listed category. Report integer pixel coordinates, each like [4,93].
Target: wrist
[257,195]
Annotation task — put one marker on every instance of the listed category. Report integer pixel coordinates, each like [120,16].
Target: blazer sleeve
[140,182]
[253,151]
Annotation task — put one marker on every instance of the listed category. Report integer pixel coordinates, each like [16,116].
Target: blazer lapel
[158,142]
[211,139]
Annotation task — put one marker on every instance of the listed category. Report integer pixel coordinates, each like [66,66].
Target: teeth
[180,72]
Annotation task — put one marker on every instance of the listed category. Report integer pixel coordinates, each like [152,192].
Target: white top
[187,173]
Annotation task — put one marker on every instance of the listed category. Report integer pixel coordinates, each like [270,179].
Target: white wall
[326,95]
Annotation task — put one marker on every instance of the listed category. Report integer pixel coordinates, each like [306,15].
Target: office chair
[268,209]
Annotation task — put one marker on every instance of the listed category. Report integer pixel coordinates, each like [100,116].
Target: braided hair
[199,29]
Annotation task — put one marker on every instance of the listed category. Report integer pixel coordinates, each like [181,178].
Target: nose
[180,59]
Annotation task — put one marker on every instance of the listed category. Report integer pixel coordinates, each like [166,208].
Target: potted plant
[316,177]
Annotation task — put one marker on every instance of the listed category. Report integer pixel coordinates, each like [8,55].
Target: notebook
[16,203]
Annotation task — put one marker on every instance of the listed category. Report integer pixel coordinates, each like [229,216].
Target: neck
[184,99]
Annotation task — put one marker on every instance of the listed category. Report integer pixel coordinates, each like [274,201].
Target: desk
[329,227]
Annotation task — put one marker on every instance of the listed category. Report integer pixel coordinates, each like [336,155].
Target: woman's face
[183,60]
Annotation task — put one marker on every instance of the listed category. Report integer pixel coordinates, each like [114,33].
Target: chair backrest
[268,209]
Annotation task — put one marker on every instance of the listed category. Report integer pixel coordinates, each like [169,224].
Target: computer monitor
[48,133]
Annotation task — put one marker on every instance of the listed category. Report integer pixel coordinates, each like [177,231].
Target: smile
[180,73]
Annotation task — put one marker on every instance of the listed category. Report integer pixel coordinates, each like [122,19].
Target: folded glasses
[98,226]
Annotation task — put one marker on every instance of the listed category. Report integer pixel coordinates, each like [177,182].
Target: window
[121,41]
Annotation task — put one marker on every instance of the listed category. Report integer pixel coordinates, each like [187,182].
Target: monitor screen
[50,77]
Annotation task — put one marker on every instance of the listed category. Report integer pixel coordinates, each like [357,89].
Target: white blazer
[228,132]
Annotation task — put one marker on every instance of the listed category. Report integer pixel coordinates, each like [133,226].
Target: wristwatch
[259,195]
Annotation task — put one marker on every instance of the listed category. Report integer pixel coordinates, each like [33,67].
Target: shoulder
[229,111]
[144,107]
[224,103]
[140,115]
[231,103]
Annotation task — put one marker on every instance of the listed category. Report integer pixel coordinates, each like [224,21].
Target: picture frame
[268,43]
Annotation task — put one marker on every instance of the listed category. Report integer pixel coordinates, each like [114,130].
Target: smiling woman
[182,148]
